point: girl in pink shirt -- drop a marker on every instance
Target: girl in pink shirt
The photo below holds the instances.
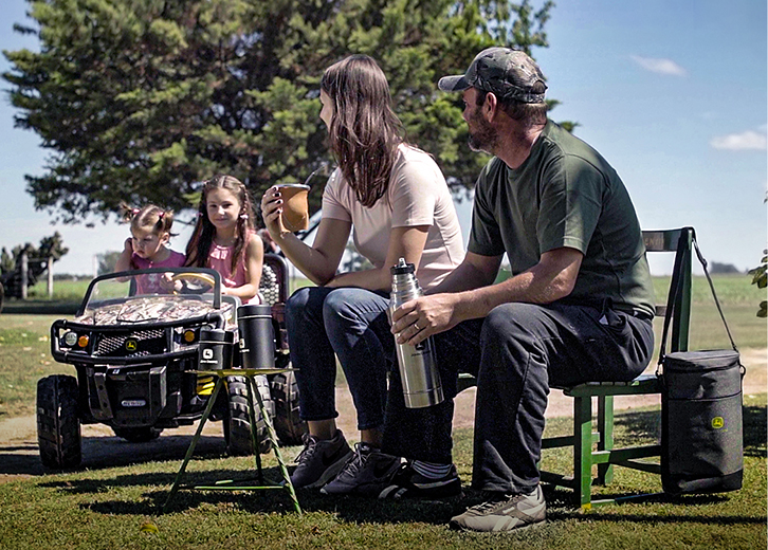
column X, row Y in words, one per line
column 225, row 239
column 150, row 233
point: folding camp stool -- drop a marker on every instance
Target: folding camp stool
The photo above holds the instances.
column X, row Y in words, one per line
column 229, row 485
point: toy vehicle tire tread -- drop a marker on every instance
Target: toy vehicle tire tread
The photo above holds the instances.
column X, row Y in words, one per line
column 237, row 424
column 58, row 426
column 289, row 426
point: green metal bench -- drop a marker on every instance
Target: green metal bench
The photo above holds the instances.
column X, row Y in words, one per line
column 593, row 442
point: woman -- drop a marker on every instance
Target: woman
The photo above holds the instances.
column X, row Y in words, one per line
column 394, row 199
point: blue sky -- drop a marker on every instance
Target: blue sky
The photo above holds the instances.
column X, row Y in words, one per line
column 672, row 93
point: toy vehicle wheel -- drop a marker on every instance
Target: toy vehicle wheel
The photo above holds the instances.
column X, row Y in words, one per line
column 285, row 393
column 58, row 427
column 237, row 425
column 138, row 435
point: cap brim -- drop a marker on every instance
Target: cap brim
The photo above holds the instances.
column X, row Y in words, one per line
column 453, row 83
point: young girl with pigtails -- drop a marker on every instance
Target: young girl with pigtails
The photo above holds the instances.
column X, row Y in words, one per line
column 225, row 238
column 147, row 247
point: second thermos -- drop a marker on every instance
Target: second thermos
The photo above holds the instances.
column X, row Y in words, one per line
column 417, row 364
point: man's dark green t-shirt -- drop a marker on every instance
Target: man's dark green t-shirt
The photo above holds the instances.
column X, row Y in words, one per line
column 565, row 194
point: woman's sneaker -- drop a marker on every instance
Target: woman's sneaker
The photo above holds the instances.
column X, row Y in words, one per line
column 320, row 461
column 504, row 513
column 408, row 483
column 364, row 474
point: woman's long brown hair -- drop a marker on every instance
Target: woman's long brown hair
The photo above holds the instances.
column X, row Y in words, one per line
column 364, row 132
column 199, row 245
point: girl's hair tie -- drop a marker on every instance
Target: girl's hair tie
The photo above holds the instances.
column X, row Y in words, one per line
column 135, row 211
column 161, row 215
column 243, row 216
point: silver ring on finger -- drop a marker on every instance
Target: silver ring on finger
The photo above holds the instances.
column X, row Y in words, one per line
column 416, row 326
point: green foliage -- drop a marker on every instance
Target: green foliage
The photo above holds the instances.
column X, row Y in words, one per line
column 107, row 261
column 760, row 278
column 140, row 100
column 50, row 247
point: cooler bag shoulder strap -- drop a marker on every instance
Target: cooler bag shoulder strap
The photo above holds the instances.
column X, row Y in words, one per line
column 703, row 263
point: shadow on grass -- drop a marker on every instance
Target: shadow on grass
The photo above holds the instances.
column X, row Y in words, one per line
column 109, row 452
column 365, row 510
column 348, row 508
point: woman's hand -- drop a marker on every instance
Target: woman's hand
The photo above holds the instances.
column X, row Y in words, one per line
column 271, row 213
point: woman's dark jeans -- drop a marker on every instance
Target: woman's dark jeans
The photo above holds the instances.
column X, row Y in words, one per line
column 348, row 322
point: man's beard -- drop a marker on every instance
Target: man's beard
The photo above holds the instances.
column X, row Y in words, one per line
column 484, row 137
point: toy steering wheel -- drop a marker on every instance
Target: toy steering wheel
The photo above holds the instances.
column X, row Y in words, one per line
column 198, row 280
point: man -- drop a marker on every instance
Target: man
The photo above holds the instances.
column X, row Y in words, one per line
column 577, row 308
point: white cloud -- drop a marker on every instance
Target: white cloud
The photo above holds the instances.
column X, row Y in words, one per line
column 749, row 140
column 660, row 66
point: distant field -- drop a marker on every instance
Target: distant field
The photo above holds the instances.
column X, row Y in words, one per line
column 25, row 346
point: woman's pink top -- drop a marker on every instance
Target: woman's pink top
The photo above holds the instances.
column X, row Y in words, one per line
column 150, row 283
column 220, row 259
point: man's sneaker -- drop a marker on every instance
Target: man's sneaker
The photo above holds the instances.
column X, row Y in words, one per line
column 364, row 474
column 408, row 483
column 512, row 512
column 320, row 461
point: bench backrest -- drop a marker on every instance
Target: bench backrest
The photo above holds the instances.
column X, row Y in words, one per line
column 679, row 241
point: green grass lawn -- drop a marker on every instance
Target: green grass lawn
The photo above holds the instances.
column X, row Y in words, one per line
column 106, row 509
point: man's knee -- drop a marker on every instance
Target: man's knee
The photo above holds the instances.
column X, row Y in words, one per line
column 507, row 321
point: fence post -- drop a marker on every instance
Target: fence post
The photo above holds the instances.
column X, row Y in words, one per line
column 24, row 275
column 50, row 277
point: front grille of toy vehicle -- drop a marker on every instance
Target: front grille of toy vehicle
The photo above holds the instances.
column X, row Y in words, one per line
column 115, row 344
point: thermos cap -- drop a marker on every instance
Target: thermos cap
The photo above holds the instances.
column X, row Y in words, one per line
column 254, row 309
column 402, row 268
column 217, row 335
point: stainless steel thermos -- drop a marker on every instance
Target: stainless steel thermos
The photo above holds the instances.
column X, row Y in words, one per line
column 418, row 366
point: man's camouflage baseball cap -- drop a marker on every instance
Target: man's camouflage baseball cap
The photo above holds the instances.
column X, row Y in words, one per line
column 510, row 74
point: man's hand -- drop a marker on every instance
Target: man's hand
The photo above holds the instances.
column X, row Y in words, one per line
column 416, row 320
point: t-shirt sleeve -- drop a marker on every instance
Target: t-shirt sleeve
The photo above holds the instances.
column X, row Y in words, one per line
column 414, row 193
column 571, row 199
column 485, row 235
column 333, row 204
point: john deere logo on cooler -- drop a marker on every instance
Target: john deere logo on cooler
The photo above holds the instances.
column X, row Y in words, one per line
column 718, row 422
column 131, row 344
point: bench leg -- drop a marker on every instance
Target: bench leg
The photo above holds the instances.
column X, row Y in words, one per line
column 582, row 451
column 605, row 428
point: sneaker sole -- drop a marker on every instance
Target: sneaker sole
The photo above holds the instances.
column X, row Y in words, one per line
column 331, row 472
column 367, row 490
column 534, row 525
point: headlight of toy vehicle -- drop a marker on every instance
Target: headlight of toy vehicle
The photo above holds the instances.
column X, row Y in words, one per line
column 70, row 339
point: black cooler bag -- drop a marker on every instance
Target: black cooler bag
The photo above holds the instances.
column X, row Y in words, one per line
column 702, row 449
column 702, row 442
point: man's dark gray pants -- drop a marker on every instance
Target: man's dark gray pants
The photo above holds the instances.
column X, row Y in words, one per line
column 517, row 353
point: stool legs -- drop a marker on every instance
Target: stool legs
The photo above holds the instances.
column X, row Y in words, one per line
column 195, row 439
column 273, row 438
column 271, row 434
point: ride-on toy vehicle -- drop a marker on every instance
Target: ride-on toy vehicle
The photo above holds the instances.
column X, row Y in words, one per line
column 136, row 354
